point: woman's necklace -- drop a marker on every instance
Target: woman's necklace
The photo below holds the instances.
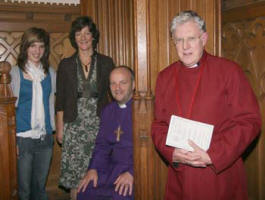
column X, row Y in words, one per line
column 86, row 66
column 86, row 62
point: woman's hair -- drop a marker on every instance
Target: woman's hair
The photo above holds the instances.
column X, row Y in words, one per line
column 78, row 24
column 30, row 36
column 184, row 17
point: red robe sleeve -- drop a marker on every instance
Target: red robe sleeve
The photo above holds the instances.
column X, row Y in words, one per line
column 160, row 124
column 242, row 126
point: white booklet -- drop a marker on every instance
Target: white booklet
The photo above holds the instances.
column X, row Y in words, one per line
column 181, row 130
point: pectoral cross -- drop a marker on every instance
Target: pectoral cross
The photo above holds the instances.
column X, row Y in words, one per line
column 118, row 133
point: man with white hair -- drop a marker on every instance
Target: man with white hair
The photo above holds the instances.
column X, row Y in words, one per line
column 212, row 90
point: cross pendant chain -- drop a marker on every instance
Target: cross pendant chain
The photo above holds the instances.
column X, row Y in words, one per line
column 118, row 133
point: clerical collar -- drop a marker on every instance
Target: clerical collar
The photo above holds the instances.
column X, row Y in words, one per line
column 195, row 65
column 122, row 105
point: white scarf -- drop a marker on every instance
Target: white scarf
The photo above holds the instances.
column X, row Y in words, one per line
column 37, row 110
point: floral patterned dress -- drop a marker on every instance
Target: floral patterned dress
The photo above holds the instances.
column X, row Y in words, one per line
column 79, row 136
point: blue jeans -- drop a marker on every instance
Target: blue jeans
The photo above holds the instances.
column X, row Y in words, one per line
column 33, row 167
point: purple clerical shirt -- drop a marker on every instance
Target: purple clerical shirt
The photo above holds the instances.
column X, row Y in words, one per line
column 112, row 156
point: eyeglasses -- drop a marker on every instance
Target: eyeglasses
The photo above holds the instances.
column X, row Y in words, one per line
column 189, row 40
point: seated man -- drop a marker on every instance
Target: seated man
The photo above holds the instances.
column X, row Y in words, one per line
column 110, row 174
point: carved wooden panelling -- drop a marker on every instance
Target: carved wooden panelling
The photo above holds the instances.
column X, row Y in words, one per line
column 244, row 42
column 9, row 46
column 228, row 4
column 60, row 47
column 20, row 16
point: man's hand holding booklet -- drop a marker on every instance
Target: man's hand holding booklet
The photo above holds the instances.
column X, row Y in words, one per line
column 181, row 130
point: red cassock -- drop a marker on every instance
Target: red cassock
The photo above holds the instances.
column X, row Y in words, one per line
column 224, row 99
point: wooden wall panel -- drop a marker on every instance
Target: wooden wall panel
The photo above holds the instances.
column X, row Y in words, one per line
column 229, row 4
column 145, row 170
column 9, row 46
column 53, row 18
column 114, row 20
column 251, row 11
column 243, row 41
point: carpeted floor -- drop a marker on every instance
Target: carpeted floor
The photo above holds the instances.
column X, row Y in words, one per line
column 58, row 194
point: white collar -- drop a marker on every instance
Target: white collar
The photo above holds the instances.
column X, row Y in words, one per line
column 122, row 105
column 193, row 66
